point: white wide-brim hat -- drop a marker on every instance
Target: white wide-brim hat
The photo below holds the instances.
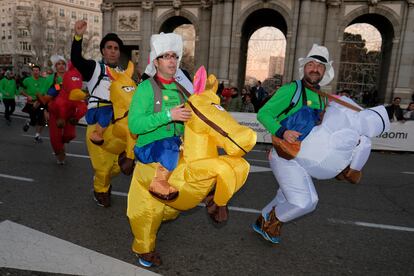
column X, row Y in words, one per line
column 54, row 59
column 161, row 44
column 319, row 54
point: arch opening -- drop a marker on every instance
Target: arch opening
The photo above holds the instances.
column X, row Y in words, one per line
column 365, row 59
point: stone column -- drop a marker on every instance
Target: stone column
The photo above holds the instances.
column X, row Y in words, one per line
column 203, row 44
column 146, row 32
column 302, row 34
column 220, row 39
column 405, row 79
column 331, row 40
column 107, row 11
column 226, row 38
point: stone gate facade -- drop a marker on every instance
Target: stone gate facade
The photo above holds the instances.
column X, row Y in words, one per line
column 223, row 29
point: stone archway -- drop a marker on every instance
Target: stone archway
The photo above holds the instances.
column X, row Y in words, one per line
column 386, row 23
column 264, row 17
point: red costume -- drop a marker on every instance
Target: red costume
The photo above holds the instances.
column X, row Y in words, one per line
column 65, row 113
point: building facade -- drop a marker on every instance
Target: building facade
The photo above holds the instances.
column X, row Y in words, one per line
column 33, row 30
column 223, row 28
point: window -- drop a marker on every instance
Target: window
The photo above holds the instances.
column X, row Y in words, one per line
column 9, row 24
column 71, row 1
column 96, row 19
column 85, row 16
column 92, row 5
column 61, row 12
column 25, row 46
column 73, row 15
column 82, row 3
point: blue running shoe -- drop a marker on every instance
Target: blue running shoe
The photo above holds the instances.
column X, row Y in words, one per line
column 258, row 227
column 144, row 263
column 149, row 259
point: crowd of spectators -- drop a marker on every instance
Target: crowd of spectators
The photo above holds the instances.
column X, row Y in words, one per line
column 249, row 100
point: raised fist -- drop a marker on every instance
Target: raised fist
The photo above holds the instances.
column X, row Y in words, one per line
column 80, row 27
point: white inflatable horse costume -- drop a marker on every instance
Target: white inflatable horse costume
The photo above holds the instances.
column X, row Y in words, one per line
column 340, row 145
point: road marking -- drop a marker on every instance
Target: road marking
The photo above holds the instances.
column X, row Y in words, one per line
column 254, row 169
column 373, row 225
column 17, row 177
column 238, row 209
column 47, row 138
column 336, row 221
column 24, row 248
column 258, row 160
column 77, row 155
column 408, row 172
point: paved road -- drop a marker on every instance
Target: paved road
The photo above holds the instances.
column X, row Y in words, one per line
column 365, row 229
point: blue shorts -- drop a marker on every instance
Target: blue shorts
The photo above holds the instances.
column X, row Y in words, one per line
column 101, row 115
column 165, row 151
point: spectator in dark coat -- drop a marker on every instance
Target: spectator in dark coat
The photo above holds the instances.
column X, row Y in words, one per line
column 395, row 113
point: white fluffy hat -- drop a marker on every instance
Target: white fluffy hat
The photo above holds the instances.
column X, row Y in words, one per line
column 55, row 58
column 162, row 43
column 319, row 54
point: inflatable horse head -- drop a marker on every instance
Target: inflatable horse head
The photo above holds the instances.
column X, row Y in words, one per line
column 331, row 146
column 215, row 123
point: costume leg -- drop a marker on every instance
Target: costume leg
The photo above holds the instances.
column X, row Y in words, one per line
column 361, row 154
column 55, row 135
column 145, row 213
column 104, row 163
column 296, row 195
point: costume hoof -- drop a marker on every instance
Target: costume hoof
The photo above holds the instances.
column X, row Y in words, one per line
column 126, row 164
column 168, row 197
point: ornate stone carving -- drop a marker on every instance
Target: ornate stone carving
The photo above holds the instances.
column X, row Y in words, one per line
column 147, row 5
column 410, row 3
column 107, row 7
column 176, row 4
column 205, row 4
column 373, row 2
column 128, row 21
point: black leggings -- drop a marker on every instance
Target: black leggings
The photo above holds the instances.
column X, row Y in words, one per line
column 9, row 106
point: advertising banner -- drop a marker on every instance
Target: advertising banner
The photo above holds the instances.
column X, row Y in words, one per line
column 400, row 137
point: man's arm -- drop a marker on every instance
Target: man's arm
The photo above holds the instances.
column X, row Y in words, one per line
column 84, row 66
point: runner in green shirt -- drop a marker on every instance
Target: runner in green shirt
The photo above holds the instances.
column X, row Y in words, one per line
column 8, row 90
column 32, row 87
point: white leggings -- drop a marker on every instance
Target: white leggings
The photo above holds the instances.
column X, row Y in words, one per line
column 296, row 195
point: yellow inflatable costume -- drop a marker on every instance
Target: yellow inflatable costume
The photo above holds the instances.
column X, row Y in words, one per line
column 118, row 140
column 201, row 172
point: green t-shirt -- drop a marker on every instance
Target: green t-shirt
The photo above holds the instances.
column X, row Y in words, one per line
column 8, row 88
column 152, row 126
column 268, row 114
column 32, row 86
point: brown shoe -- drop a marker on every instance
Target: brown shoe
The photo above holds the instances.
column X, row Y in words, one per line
column 160, row 188
column 103, row 199
column 272, row 227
